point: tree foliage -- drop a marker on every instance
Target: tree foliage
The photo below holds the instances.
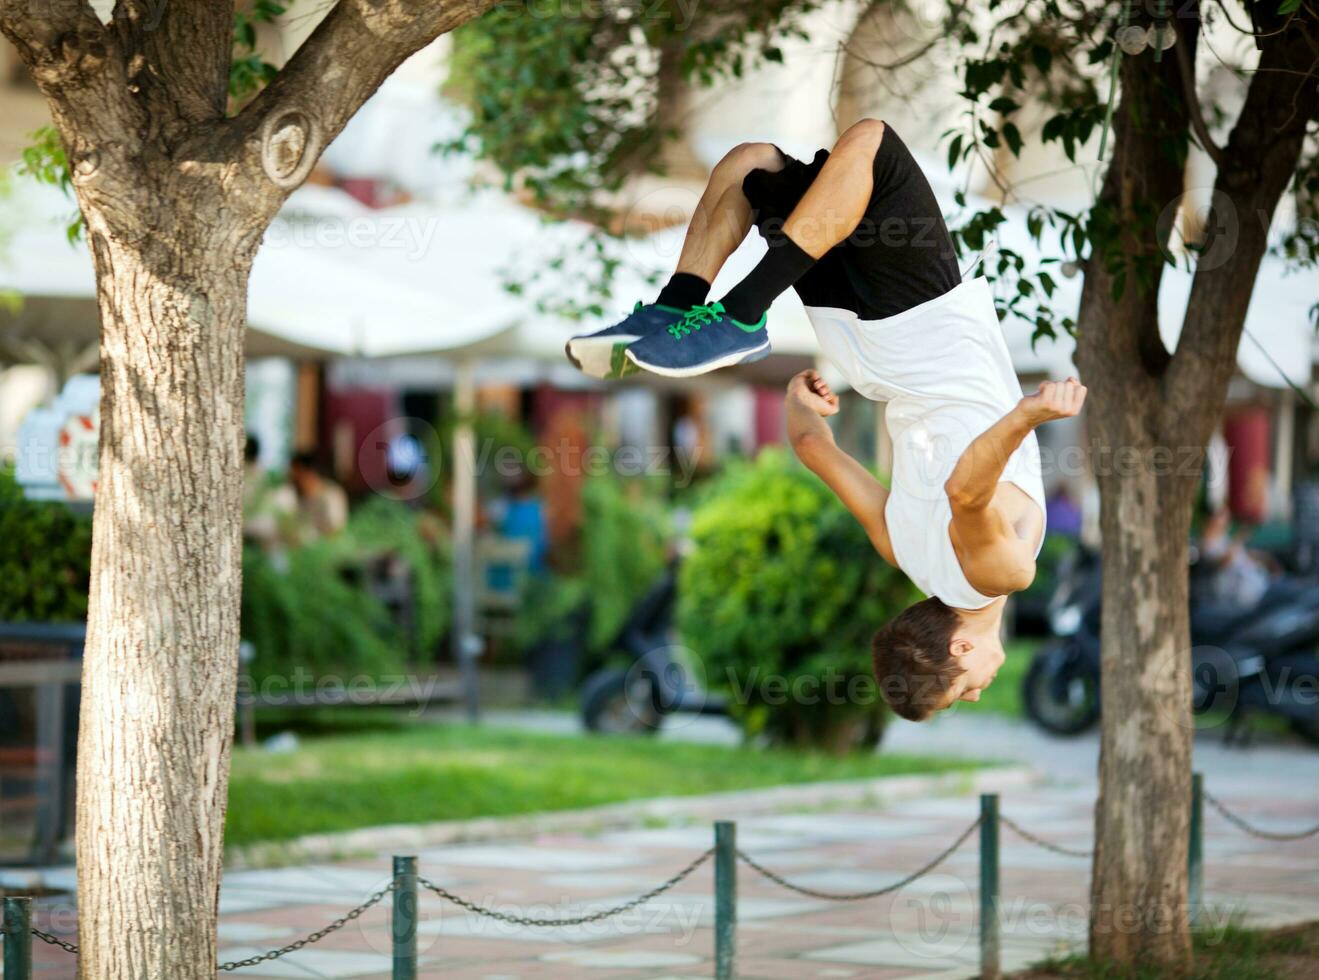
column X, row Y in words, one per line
column 568, row 107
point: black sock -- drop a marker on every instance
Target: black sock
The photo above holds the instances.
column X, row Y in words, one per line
column 783, row 264
column 683, row 291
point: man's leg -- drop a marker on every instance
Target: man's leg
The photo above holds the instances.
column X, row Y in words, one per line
column 723, row 214
column 732, row 331
column 827, row 213
column 719, row 224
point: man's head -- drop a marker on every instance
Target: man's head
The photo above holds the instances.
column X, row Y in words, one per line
column 929, row 656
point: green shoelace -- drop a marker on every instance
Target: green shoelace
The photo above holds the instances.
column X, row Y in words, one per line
column 696, row 318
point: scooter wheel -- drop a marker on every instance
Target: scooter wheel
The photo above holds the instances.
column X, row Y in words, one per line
column 620, row 702
column 1059, row 694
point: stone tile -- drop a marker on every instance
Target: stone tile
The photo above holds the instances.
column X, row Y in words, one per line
column 697, row 838
column 833, row 827
column 530, row 858
column 909, row 950
column 623, row 959
column 323, row 964
column 309, row 883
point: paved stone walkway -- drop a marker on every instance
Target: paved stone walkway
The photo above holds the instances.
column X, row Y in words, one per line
column 926, row 930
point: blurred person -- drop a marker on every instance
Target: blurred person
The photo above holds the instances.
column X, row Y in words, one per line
column 270, row 505
column 322, row 503
column 1240, row 578
column 1061, row 513
column 519, row 513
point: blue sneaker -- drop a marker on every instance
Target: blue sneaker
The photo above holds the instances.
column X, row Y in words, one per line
column 601, row 354
column 705, row 339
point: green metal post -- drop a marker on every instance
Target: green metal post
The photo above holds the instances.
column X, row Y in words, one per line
column 989, row 923
column 1195, row 850
column 405, row 918
column 18, row 938
column 725, row 898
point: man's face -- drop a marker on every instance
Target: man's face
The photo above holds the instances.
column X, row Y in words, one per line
column 980, row 660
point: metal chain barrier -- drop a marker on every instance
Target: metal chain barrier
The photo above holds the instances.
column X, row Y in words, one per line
column 316, row 936
column 577, row 920
column 858, row 896
column 1027, row 836
column 320, row 934
column 46, row 937
column 1241, row 824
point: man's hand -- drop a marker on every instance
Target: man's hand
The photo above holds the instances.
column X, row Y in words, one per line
column 1054, row 400
column 811, row 391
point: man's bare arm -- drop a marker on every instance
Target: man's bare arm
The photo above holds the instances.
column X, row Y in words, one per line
column 808, row 403
column 976, row 476
column 1004, row 562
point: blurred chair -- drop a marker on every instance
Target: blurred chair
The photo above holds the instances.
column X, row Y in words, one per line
column 501, row 573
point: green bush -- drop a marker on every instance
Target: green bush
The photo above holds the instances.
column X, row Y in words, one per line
column 313, row 615
column 45, row 558
column 625, row 534
column 783, row 583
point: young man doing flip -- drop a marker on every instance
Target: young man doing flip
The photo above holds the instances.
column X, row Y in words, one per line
column 860, row 236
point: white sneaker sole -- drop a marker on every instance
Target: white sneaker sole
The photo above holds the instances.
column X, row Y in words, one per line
column 728, row 360
column 601, row 357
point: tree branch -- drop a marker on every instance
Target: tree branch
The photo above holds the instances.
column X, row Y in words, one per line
column 1259, row 161
column 1186, row 68
column 178, row 54
column 284, row 130
column 80, row 69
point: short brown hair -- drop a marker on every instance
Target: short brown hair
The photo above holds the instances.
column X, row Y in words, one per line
column 913, row 665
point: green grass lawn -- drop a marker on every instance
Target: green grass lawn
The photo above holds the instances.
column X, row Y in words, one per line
column 419, row 773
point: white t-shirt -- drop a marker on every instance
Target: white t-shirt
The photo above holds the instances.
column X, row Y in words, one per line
column 945, row 372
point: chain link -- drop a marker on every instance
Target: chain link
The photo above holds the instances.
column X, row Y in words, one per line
column 317, row 936
column 858, row 896
column 523, row 920
column 46, row 937
column 1026, row 835
column 578, row 920
column 1255, row 831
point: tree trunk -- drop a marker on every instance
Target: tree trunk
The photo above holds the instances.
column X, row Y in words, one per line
column 1151, row 414
column 1139, row 888
column 161, row 659
column 176, row 193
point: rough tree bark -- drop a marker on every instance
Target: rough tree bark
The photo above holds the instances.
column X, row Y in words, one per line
column 1151, row 414
column 176, row 196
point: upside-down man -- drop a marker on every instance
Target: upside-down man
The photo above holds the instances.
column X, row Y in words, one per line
column 860, row 236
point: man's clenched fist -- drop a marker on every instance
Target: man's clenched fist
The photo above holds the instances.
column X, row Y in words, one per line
column 810, row 390
column 1054, row 400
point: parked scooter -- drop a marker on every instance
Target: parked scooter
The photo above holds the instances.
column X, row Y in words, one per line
column 1258, row 660
column 635, row 699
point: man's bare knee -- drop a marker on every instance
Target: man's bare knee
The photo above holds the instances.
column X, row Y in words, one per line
column 746, row 157
column 862, row 136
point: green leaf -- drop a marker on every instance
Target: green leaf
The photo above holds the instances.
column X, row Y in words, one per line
column 1013, row 137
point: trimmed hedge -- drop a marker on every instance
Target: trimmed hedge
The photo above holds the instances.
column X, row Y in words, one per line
column 778, row 601
column 45, row 558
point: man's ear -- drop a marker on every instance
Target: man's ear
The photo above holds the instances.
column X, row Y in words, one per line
column 960, row 647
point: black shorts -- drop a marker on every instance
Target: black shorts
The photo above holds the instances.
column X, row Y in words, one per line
column 899, row 256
